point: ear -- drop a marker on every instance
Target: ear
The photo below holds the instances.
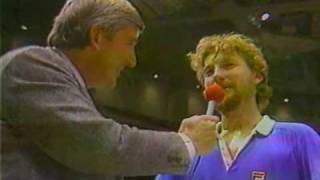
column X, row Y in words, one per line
column 96, row 35
column 258, row 77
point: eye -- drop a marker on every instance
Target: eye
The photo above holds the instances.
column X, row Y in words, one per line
column 208, row 72
column 131, row 44
column 228, row 65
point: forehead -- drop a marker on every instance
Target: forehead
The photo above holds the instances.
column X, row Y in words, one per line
column 222, row 57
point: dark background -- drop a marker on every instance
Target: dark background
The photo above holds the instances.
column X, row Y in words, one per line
column 162, row 89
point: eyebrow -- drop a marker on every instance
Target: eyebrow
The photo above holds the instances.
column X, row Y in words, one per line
column 209, row 66
column 227, row 60
column 214, row 62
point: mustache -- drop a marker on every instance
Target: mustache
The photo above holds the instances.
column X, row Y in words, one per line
column 225, row 84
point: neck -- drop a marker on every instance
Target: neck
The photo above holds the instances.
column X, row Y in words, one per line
column 243, row 118
column 81, row 60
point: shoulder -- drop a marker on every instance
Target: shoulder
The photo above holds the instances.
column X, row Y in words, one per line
column 298, row 130
column 35, row 63
column 28, row 51
column 32, row 54
column 293, row 127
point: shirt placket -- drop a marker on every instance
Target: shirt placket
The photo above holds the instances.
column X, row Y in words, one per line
column 226, row 154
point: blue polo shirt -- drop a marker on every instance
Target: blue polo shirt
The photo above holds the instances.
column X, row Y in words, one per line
column 286, row 151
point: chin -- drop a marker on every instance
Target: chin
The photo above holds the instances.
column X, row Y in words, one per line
column 229, row 104
column 112, row 83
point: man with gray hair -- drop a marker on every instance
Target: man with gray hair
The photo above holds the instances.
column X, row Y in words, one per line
column 51, row 128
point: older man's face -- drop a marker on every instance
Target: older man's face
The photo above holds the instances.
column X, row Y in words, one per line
column 114, row 54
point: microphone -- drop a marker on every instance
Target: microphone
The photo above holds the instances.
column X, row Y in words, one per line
column 214, row 94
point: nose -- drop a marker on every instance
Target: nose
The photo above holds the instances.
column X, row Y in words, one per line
column 218, row 76
column 132, row 60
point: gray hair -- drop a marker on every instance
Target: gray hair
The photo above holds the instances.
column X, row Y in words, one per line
column 72, row 25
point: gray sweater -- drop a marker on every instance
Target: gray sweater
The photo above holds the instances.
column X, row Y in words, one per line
column 51, row 129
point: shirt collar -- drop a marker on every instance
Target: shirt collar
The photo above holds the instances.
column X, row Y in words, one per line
column 264, row 127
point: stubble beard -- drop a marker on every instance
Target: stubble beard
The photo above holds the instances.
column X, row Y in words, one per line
column 230, row 103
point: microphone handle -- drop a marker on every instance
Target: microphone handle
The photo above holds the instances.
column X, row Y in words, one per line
column 210, row 108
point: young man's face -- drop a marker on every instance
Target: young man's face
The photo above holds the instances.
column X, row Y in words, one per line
column 113, row 55
column 231, row 71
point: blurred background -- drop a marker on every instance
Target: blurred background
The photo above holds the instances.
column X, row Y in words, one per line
column 162, row 89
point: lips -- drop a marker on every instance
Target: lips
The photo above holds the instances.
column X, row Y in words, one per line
column 225, row 84
column 226, row 88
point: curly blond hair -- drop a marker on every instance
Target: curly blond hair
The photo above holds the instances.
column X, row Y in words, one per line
column 238, row 43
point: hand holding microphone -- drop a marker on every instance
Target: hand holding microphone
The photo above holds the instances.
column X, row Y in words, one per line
column 201, row 129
